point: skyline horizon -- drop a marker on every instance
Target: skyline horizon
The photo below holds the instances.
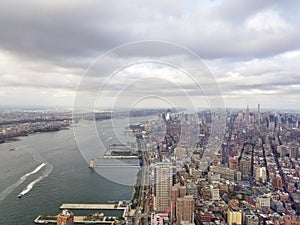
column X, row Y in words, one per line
column 247, row 51
column 120, row 109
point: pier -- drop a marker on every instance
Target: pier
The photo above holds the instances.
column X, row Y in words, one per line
column 83, row 219
column 116, row 166
column 92, row 206
column 121, row 157
column 93, row 164
column 77, row 219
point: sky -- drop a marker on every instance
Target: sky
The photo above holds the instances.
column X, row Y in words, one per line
column 96, row 53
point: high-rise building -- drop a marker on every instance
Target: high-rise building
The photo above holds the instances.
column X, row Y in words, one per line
column 66, row 217
column 294, row 152
column 163, row 186
column 233, row 163
column 261, row 174
column 185, row 209
column 258, row 113
column 234, row 216
column 247, row 115
column 238, row 176
column 174, row 196
column 214, row 193
column 225, row 153
column 244, row 168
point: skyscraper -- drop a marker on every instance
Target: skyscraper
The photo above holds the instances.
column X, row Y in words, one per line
column 247, row 115
column 225, row 154
column 294, row 152
column 258, row 113
column 244, row 168
column 233, row 163
column 163, row 186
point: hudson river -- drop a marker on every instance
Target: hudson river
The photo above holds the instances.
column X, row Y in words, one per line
column 49, row 170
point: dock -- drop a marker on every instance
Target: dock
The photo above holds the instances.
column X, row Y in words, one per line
column 121, row 157
column 92, row 206
column 77, row 219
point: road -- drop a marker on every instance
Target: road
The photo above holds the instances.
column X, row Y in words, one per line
column 143, row 210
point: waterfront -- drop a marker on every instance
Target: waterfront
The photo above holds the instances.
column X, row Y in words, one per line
column 69, row 181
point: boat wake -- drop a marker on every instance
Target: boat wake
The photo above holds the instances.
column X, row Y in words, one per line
column 29, row 187
column 33, row 171
column 9, row 189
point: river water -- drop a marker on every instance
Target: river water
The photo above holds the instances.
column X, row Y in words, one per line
column 48, row 169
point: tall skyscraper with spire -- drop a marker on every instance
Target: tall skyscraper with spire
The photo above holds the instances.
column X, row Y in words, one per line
column 247, row 116
column 258, row 113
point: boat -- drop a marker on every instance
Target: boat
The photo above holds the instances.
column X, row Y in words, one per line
column 11, row 149
column 20, row 196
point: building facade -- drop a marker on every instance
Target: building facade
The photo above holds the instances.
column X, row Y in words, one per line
column 66, row 217
column 163, row 186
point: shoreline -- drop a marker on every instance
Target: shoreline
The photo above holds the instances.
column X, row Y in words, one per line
column 18, row 137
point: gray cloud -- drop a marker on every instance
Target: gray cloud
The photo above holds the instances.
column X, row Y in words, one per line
column 58, row 30
column 248, row 45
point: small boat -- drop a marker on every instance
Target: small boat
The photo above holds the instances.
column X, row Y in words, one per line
column 12, row 149
column 20, row 196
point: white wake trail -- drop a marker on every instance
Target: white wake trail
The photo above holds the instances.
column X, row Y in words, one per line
column 33, row 172
column 29, row 187
column 9, row 189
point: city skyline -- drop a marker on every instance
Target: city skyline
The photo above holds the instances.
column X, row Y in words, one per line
column 251, row 49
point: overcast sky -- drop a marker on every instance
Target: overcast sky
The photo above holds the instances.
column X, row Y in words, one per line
column 252, row 49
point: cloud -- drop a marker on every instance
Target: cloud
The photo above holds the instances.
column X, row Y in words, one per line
column 57, row 30
column 252, row 47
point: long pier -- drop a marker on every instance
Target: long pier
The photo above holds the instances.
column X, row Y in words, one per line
column 93, row 164
column 116, row 165
column 81, row 219
column 77, row 219
column 92, row 206
column 120, row 157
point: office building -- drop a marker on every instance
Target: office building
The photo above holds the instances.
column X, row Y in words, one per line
column 163, row 186
column 244, row 168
